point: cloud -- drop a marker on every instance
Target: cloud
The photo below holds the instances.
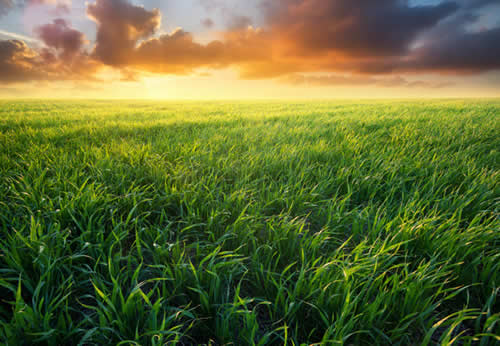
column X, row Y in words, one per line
column 475, row 4
column 358, row 42
column 208, row 23
column 126, row 37
column 236, row 22
column 62, row 58
column 64, row 53
column 120, row 25
column 178, row 52
column 356, row 28
column 459, row 52
column 229, row 11
column 18, row 36
column 61, row 6
column 18, row 62
column 375, row 37
column 60, row 36
column 210, row 5
column 6, row 6
column 356, row 80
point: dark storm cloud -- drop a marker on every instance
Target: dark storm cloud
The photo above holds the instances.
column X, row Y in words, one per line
column 356, row 27
column 378, row 37
column 475, row 4
column 459, row 51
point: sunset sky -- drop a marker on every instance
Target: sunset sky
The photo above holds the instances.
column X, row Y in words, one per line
column 224, row 49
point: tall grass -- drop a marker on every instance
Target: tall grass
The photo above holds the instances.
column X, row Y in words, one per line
column 141, row 223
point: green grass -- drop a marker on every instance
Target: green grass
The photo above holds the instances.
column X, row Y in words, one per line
column 146, row 223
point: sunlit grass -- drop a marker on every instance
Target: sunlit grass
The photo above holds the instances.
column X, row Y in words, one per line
column 249, row 223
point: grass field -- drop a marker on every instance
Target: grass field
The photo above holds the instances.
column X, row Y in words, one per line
column 153, row 223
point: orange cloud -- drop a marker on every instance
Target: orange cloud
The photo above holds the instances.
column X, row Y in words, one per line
column 18, row 62
column 62, row 58
column 126, row 38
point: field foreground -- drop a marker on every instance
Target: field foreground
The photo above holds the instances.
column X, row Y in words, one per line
column 273, row 223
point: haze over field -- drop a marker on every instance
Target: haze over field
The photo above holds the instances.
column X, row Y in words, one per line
column 249, row 49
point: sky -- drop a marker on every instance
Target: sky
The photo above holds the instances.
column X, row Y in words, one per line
column 252, row 49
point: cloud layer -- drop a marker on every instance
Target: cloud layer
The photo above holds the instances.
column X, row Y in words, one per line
column 62, row 6
column 372, row 42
